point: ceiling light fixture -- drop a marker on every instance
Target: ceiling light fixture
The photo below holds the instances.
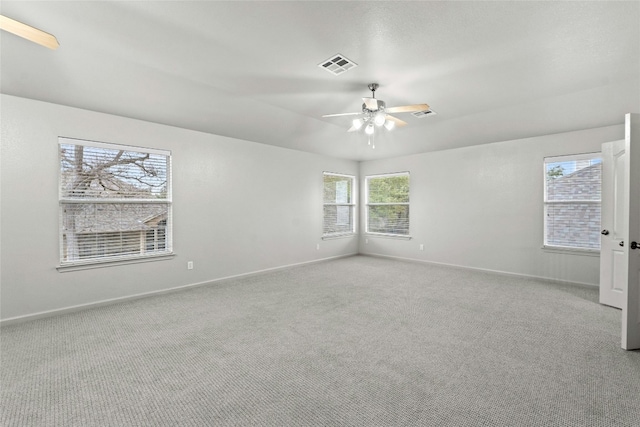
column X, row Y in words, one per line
column 375, row 113
column 369, row 129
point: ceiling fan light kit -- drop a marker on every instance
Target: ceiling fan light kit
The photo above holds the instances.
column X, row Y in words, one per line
column 376, row 114
column 380, row 118
column 369, row 129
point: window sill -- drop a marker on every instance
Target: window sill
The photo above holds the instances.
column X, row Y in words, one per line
column 571, row 251
column 338, row 236
column 110, row 263
column 389, row 236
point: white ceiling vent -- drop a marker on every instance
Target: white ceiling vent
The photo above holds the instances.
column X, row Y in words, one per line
column 337, row 64
column 423, row 113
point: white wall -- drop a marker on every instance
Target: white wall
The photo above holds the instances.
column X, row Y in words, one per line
column 239, row 207
column 481, row 206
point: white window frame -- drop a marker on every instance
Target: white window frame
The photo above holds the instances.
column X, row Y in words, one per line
column 352, row 206
column 368, row 204
column 143, row 256
column 546, row 202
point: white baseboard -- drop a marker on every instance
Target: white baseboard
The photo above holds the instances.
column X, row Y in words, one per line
column 486, row 270
column 81, row 307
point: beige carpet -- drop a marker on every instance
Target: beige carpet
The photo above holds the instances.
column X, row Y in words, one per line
column 359, row 341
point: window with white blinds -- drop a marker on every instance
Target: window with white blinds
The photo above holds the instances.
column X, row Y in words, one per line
column 572, row 200
column 339, row 204
column 388, row 204
column 115, row 202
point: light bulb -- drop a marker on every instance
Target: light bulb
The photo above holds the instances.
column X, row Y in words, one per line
column 357, row 123
column 369, row 129
column 379, row 119
column 389, row 124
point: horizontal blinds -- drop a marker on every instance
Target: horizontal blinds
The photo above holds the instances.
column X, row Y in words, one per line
column 389, row 219
column 338, row 219
column 572, row 201
column 114, row 202
column 388, row 204
column 573, row 225
column 100, row 218
column 88, row 172
column 338, row 204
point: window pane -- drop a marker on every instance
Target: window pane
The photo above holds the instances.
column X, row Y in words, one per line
column 574, row 180
column 337, row 189
column 93, row 172
column 338, row 197
column 92, row 231
column 388, row 189
column 574, row 225
column 392, row 193
column 338, row 219
column 388, row 219
column 569, row 180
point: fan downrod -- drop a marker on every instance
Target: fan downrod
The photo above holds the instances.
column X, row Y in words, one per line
column 373, row 87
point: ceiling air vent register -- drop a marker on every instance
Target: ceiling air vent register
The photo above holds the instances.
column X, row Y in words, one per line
column 337, row 64
column 423, row 114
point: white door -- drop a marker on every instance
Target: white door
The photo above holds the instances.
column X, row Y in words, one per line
column 612, row 280
column 631, row 261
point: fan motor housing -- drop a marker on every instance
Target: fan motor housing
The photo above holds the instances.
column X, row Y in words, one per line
column 381, row 107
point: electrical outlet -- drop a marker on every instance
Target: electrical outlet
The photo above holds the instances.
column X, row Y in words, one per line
column 422, row 246
column 190, row 265
column 318, row 247
column 366, row 241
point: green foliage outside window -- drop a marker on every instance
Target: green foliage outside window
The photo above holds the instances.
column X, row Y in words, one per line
column 388, row 204
column 392, row 189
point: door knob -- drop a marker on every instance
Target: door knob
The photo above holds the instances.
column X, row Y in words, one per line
column 634, row 245
column 605, row 232
column 621, row 243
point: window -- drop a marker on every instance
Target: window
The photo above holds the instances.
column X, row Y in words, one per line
column 572, row 201
column 115, row 202
column 388, row 204
column 339, row 206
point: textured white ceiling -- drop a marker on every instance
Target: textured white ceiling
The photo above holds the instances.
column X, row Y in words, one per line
column 493, row 71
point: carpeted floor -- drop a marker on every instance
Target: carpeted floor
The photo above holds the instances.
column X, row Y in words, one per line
column 359, row 341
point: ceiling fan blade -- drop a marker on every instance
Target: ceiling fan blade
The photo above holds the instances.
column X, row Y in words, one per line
column 407, row 108
column 28, row 32
column 353, row 129
column 340, row 114
column 396, row 120
column 370, row 103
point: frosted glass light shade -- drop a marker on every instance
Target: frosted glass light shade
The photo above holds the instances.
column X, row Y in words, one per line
column 369, row 129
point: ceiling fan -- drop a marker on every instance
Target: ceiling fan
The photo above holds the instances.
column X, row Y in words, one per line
column 28, row 32
column 375, row 113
